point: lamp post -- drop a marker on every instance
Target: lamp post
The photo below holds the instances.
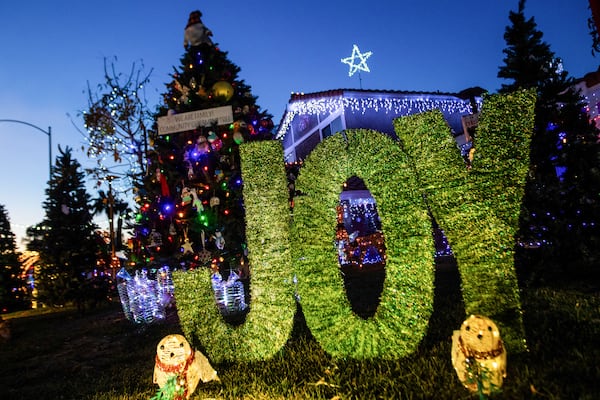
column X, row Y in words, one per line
column 48, row 133
column 111, row 227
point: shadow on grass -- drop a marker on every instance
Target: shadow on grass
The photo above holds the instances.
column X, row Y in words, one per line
column 448, row 307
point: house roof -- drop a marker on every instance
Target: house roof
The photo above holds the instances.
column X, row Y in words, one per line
column 591, row 78
column 465, row 94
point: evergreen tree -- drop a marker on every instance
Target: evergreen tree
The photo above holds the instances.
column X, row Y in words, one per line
column 191, row 207
column 561, row 205
column 594, row 25
column 12, row 292
column 65, row 239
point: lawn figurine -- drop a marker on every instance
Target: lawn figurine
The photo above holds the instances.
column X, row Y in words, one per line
column 478, row 355
column 178, row 368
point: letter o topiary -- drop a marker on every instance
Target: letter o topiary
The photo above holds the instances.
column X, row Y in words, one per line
column 406, row 303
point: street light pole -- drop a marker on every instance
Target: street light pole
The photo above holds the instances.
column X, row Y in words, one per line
column 111, row 227
column 48, row 133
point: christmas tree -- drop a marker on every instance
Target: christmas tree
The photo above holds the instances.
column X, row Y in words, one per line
column 65, row 239
column 559, row 229
column 12, row 291
column 191, row 206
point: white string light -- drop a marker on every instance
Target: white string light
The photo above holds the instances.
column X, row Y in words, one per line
column 397, row 104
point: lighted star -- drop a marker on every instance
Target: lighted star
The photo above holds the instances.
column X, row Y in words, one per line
column 356, row 56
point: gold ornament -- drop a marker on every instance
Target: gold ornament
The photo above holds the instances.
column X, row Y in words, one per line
column 478, row 355
column 223, row 89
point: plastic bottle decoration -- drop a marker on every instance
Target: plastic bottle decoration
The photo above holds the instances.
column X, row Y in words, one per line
column 124, row 279
column 143, row 299
column 165, row 287
column 478, row 355
column 229, row 294
column 178, row 368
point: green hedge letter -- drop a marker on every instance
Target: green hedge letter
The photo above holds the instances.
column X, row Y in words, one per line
column 479, row 209
column 407, row 299
column 272, row 306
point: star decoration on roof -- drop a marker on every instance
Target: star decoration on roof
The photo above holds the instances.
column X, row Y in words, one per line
column 357, row 61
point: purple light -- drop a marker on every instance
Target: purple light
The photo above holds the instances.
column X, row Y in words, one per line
column 167, row 208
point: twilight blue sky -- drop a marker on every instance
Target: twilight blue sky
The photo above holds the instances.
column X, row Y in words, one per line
column 49, row 50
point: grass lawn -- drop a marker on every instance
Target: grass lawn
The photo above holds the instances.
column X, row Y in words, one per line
column 102, row 356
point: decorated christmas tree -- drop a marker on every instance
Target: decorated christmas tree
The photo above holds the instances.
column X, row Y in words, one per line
column 65, row 239
column 191, row 205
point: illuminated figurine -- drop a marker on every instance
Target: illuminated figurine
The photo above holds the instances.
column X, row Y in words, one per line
column 178, row 364
column 478, row 355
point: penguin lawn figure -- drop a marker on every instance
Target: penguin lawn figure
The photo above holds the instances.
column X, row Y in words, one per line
column 478, row 355
column 178, row 368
